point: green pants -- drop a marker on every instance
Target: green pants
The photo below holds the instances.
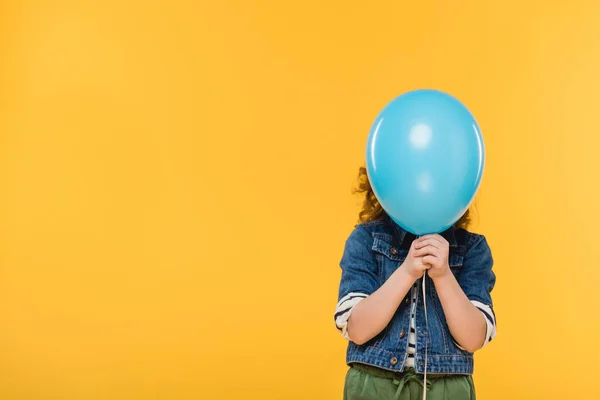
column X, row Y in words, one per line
column 369, row 383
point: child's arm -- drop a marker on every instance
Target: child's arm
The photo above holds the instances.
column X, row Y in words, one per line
column 466, row 322
column 467, row 304
column 371, row 315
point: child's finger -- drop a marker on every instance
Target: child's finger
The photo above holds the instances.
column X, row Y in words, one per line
column 422, row 266
column 435, row 237
column 427, row 250
column 430, row 261
column 428, row 242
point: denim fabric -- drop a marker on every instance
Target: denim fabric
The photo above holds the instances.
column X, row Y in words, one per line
column 373, row 251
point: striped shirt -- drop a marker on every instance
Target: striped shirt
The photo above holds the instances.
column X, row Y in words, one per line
column 412, row 333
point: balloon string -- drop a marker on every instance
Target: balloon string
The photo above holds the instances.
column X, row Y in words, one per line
column 427, row 326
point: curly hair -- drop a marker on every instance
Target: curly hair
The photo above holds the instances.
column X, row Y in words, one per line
column 372, row 210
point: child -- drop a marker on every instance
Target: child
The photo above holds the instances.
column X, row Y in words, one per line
column 381, row 309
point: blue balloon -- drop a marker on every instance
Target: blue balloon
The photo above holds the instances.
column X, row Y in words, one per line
column 425, row 159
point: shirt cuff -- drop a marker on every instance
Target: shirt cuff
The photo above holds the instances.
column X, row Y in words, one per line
column 344, row 309
column 490, row 321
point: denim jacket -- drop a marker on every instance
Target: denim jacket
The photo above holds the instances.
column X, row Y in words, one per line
column 373, row 251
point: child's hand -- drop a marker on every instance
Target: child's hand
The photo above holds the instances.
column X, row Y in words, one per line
column 413, row 265
column 434, row 250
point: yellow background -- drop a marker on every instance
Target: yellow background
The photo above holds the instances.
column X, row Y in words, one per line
column 175, row 188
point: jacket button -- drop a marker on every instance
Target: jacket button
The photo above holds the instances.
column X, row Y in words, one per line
column 402, row 334
column 393, row 251
column 393, row 361
column 407, row 300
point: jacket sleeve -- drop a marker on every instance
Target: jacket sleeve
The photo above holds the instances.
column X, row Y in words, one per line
column 477, row 280
column 359, row 276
